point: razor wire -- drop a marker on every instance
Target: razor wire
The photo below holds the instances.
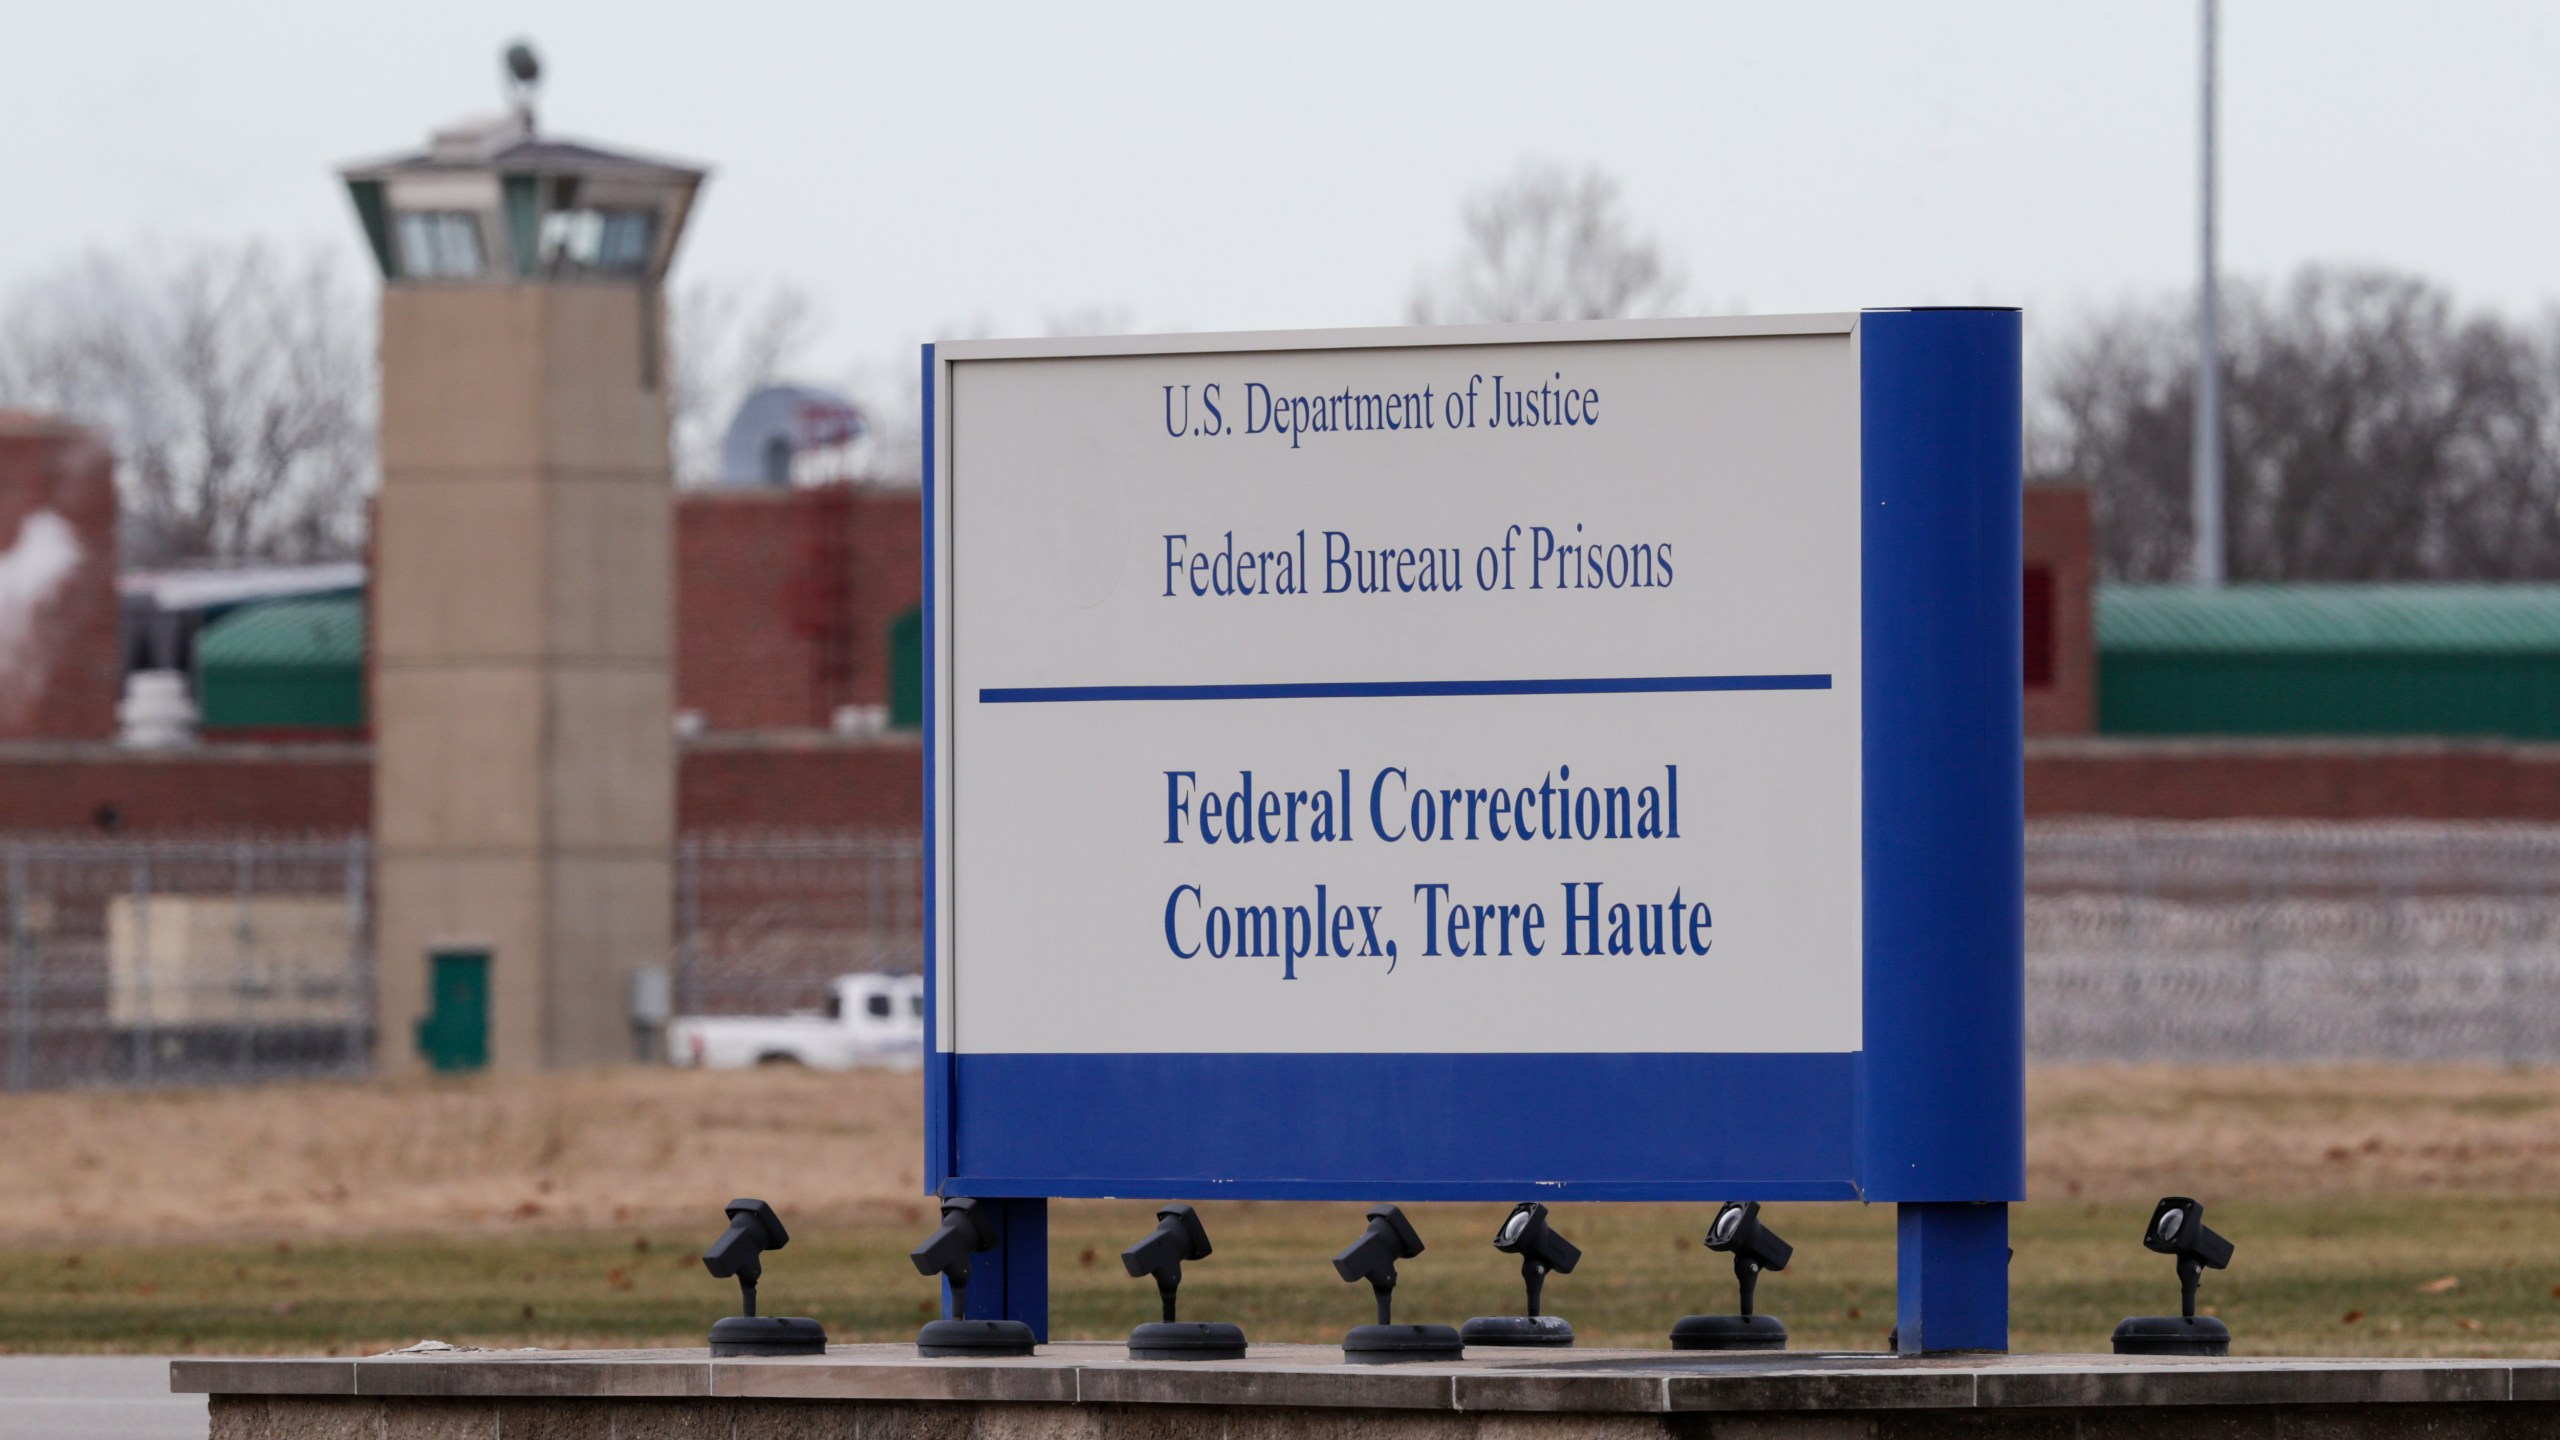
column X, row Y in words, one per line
column 2271, row 941
column 136, row 961
column 765, row 919
column 184, row 962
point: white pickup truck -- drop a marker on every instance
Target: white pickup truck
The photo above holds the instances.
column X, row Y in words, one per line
column 869, row 1020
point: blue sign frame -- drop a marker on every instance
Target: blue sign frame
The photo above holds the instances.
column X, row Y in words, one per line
column 1930, row 1115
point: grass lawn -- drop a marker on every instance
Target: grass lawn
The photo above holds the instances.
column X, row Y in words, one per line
column 2388, row 1275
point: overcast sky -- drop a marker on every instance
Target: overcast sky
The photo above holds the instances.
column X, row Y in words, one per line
column 922, row 167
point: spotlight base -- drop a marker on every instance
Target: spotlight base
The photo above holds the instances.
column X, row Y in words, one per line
column 1187, row 1340
column 973, row 1339
column 1397, row 1344
column 768, row 1335
column 1544, row 1331
column 2173, row 1335
column 1729, row 1332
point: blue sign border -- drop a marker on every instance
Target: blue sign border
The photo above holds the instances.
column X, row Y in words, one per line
column 1930, row 1114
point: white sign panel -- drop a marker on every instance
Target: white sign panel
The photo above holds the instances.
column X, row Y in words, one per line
column 1340, row 693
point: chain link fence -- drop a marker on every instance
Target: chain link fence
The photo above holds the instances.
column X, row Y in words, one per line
column 180, row 962
column 205, row 961
column 2293, row 941
column 765, row 919
column 160, row 962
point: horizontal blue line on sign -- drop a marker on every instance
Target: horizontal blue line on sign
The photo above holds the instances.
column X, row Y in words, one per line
column 1399, row 689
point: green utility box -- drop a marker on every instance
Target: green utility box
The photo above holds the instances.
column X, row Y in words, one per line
column 454, row 1034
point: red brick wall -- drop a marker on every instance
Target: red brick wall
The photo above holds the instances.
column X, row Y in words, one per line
column 62, row 666
column 739, row 659
column 800, row 782
column 2346, row 780
column 804, row 781
column 784, row 598
column 2061, row 560
column 277, row 788
column 888, row 581
column 813, row 781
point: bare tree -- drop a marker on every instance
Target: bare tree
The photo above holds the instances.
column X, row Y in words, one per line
column 890, row 393
column 2374, row 433
column 724, row 339
column 237, row 382
column 1548, row 243
column 2113, row 412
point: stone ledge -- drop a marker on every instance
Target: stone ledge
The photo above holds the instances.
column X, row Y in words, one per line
column 1297, row 1377
column 314, row 1417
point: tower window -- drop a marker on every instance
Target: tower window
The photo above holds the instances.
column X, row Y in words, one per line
column 439, row 244
column 611, row 241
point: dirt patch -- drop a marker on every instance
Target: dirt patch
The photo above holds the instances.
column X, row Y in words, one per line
column 2292, row 1132
column 575, row 1150
column 644, row 1147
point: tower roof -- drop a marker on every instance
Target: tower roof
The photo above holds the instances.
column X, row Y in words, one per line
column 509, row 143
column 493, row 198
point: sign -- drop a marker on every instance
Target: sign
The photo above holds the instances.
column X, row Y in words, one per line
column 1568, row 761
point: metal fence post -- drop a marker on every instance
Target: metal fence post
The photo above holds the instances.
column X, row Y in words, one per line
column 145, row 1043
column 244, row 1016
column 875, row 901
column 2137, row 1018
column 2393, row 966
column 688, row 925
column 22, row 979
column 2261, row 904
column 357, row 1058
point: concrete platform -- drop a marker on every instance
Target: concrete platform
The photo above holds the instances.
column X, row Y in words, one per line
column 1092, row 1391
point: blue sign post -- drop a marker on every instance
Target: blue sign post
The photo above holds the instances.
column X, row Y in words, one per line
column 1250, row 878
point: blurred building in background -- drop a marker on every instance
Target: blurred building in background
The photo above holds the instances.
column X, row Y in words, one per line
column 2055, row 595
column 425, row 811
column 572, row 748
column 799, row 609
column 61, row 669
column 2328, row 808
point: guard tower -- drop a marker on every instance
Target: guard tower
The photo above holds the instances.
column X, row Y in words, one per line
column 524, row 781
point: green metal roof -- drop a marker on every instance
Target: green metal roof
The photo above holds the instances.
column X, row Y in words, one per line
column 2329, row 619
column 325, row 632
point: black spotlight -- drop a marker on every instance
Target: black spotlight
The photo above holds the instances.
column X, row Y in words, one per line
column 1525, row 1233
column 965, row 1231
column 1178, row 1236
column 754, row 1229
column 1755, row 1247
column 1372, row 1257
column 2177, row 1228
